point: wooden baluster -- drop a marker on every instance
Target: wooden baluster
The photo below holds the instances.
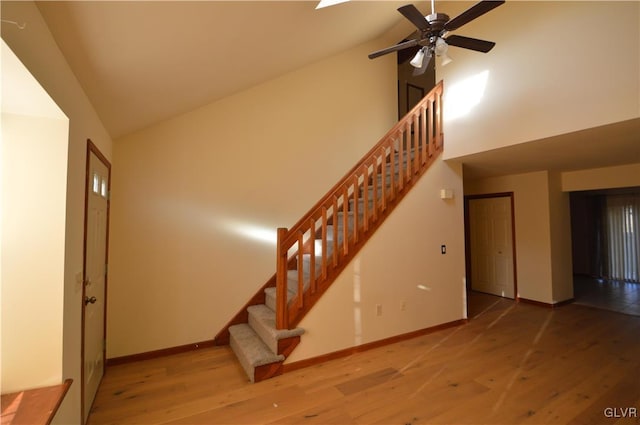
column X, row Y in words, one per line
column 439, row 118
column 365, row 188
column 383, row 179
column 400, row 162
column 345, row 221
column 389, row 189
column 423, row 134
column 300, row 298
column 356, row 208
column 312, row 258
column 374, row 181
column 416, row 142
column 282, row 316
column 431, row 128
column 324, row 242
column 335, row 231
column 408, row 166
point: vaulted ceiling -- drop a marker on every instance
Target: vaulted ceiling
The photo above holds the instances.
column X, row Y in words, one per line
column 141, row 62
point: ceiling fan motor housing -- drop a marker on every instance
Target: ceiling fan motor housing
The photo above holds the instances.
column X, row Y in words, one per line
column 437, row 21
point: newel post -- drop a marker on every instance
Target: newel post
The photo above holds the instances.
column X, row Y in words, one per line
column 282, row 317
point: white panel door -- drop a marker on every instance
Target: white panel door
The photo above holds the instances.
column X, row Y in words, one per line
column 491, row 246
column 94, row 279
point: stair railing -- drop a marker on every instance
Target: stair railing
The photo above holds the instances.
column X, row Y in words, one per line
column 320, row 244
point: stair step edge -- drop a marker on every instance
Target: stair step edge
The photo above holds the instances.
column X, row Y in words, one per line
column 267, row 318
column 253, row 349
column 272, row 292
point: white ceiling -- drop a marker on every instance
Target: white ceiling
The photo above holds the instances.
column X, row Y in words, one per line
column 142, row 62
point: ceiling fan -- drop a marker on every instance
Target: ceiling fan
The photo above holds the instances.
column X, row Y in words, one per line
column 432, row 36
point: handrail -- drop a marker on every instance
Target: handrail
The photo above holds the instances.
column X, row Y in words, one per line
column 325, row 238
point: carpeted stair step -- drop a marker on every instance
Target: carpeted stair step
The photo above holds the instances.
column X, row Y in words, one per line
column 292, row 281
column 263, row 322
column 292, row 288
column 250, row 349
column 270, row 296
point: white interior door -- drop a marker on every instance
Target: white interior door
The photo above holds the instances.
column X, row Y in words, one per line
column 491, row 241
column 95, row 270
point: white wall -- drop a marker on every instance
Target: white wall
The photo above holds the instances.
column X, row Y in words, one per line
column 555, row 69
column 601, row 178
column 560, row 231
column 197, row 199
column 402, row 254
column 37, row 49
column 34, row 173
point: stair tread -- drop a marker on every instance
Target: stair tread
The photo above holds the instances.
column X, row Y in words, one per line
column 272, row 291
column 270, row 297
column 253, row 349
column 267, row 318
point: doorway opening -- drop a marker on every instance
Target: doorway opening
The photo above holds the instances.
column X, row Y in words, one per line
column 605, row 233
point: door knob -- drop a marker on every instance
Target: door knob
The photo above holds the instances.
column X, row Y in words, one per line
column 91, row 300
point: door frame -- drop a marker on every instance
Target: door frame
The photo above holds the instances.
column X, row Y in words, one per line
column 92, row 149
column 467, row 237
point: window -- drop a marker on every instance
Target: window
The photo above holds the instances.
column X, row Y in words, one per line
column 622, row 238
column 96, row 183
column 104, row 191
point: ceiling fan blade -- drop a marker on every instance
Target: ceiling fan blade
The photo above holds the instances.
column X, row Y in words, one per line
column 425, row 64
column 395, row 48
column 470, row 43
column 472, row 13
column 415, row 16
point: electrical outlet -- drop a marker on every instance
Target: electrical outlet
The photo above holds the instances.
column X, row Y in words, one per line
column 378, row 309
column 443, row 249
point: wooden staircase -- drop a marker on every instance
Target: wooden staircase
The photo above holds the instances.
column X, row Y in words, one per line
column 312, row 253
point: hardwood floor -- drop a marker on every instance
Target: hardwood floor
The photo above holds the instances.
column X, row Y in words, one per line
column 511, row 364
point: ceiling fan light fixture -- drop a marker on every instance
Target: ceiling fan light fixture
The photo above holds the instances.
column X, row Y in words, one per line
column 441, row 47
column 441, row 51
column 416, row 62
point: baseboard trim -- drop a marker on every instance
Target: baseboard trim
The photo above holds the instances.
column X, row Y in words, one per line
column 545, row 305
column 159, row 353
column 300, row 364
